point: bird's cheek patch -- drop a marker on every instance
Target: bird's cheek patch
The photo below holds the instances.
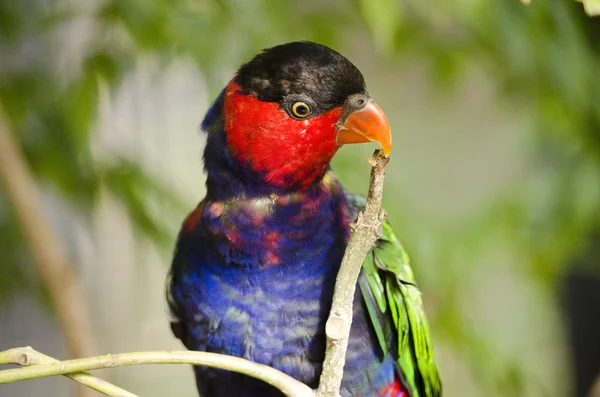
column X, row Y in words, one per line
column 251, row 125
column 288, row 151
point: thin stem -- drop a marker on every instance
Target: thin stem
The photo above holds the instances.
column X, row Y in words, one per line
column 365, row 233
column 28, row 356
column 52, row 263
column 288, row 385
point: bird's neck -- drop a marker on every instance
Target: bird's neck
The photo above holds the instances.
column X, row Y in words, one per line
column 257, row 224
column 292, row 229
column 227, row 177
column 241, row 162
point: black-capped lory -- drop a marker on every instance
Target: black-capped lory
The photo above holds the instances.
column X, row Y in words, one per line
column 256, row 261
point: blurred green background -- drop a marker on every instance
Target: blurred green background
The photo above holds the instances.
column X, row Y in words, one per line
column 494, row 183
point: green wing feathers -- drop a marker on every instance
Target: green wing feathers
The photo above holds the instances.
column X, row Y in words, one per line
column 389, row 290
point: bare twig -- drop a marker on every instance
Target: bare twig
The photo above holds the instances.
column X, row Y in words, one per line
column 288, row 385
column 365, row 233
column 52, row 264
column 28, row 356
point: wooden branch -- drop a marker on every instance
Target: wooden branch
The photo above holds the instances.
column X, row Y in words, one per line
column 52, row 264
column 288, row 385
column 365, row 232
column 27, row 356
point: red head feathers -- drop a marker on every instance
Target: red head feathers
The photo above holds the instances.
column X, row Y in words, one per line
column 288, row 110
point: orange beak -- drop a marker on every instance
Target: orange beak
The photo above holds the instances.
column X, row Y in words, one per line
column 368, row 124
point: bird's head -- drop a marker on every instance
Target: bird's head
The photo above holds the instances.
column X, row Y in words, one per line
column 287, row 111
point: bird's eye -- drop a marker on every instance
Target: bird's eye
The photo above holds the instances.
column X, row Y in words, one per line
column 300, row 109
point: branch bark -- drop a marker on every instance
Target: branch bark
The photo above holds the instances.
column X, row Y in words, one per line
column 52, row 263
column 288, row 385
column 28, row 356
column 365, row 232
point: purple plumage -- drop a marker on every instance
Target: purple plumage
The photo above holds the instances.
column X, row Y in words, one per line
column 254, row 278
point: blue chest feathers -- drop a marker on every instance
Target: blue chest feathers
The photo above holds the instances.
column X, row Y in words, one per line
column 254, row 278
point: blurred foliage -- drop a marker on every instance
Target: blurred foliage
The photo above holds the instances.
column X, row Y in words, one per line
column 544, row 56
column 592, row 7
column 52, row 107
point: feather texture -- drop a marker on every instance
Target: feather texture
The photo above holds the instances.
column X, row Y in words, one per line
column 255, row 263
column 388, row 283
column 273, row 312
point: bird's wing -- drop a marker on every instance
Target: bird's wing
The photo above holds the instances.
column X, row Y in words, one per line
column 394, row 304
column 172, row 307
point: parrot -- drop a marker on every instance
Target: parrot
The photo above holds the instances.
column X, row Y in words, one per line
column 255, row 263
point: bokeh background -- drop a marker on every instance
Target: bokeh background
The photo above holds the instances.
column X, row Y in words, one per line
column 494, row 183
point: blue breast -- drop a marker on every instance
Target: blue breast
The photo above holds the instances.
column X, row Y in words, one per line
column 254, row 278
